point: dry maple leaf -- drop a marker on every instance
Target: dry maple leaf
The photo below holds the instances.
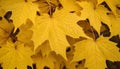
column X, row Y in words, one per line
column 15, row 55
column 22, row 10
column 95, row 14
column 55, row 28
column 96, row 52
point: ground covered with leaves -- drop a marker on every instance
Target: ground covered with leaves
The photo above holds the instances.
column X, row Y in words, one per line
column 59, row 34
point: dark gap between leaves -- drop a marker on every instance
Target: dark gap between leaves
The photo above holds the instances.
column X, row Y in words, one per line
column 46, row 67
column 118, row 7
column 0, row 18
column 52, row 9
column 13, row 35
column 29, row 67
column 112, row 65
column 68, row 49
column 105, row 30
column 105, row 4
column 64, row 67
column 1, row 67
column 8, row 15
column 38, row 13
column 34, row 66
column 60, row 6
column 115, row 39
column 88, row 29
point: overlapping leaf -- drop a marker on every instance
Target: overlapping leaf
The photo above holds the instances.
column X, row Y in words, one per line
column 55, row 29
column 114, row 6
column 96, row 15
column 22, row 10
column 96, row 52
column 15, row 55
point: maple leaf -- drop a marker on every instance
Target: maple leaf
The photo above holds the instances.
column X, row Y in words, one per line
column 48, row 6
column 95, row 14
column 71, row 6
column 113, row 4
column 44, row 62
column 6, row 28
column 25, row 32
column 115, row 23
column 15, row 55
column 44, row 48
column 22, row 10
column 96, row 52
column 55, row 28
column 16, row 45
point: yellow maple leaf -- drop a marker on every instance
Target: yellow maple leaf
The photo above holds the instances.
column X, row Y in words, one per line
column 55, row 28
column 71, row 6
column 5, row 28
column 48, row 6
column 113, row 4
column 22, row 34
column 95, row 14
column 44, row 62
column 96, row 52
column 25, row 34
column 15, row 55
column 115, row 23
column 22, row 10
column 44, row 48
